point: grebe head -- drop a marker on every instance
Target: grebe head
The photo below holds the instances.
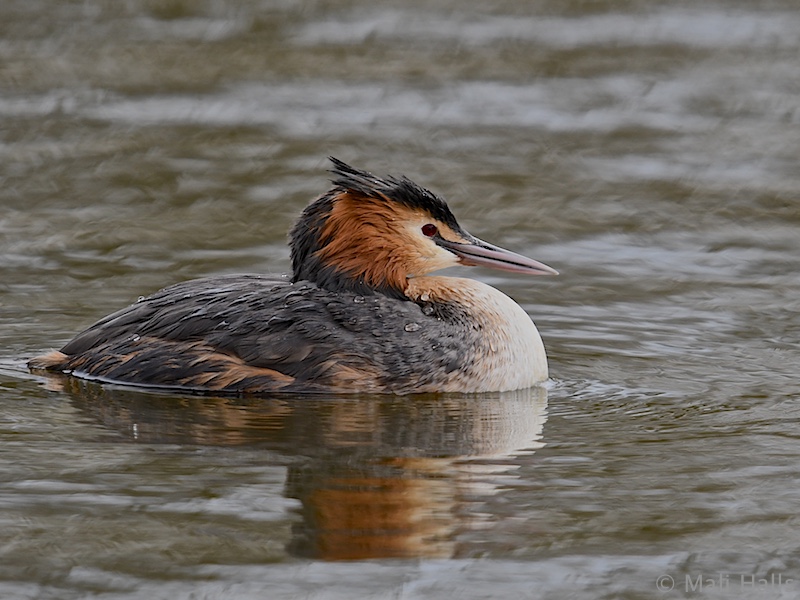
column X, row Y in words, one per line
column 369, row 234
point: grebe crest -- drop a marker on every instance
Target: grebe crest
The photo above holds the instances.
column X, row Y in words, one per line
column 360, row 313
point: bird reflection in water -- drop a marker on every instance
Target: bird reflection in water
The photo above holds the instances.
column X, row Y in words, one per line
column 375, row 476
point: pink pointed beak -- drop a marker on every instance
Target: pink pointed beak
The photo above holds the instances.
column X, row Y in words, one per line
column 479, row 253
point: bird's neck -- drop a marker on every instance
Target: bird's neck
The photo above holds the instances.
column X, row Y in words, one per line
column 474, row 296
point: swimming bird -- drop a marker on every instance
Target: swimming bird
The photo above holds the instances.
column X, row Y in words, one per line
column 359, row 313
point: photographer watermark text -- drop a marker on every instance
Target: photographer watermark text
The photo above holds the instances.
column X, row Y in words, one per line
column 721, row 581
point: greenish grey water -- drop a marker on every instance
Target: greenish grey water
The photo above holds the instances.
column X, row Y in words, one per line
column 648, row 152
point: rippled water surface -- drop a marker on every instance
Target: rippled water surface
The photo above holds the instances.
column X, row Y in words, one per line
column 648, row 151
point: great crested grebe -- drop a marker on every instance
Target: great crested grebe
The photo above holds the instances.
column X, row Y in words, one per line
column 359, row 314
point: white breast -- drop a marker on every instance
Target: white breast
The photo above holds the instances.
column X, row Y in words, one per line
column 514, row 355
column 510, row 355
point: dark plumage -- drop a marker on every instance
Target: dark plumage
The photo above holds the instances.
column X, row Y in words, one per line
column 315, row 338
column 391, row 189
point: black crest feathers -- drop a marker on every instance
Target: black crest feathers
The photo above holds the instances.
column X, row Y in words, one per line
column 393, row 189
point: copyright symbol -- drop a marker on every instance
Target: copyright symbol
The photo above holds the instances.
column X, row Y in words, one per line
column 665, row 583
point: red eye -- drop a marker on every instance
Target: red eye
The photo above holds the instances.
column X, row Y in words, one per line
column 429, row 230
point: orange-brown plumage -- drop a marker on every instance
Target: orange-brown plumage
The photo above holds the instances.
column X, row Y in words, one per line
column 360, row 239
column 370, row 240
column 360, row 312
